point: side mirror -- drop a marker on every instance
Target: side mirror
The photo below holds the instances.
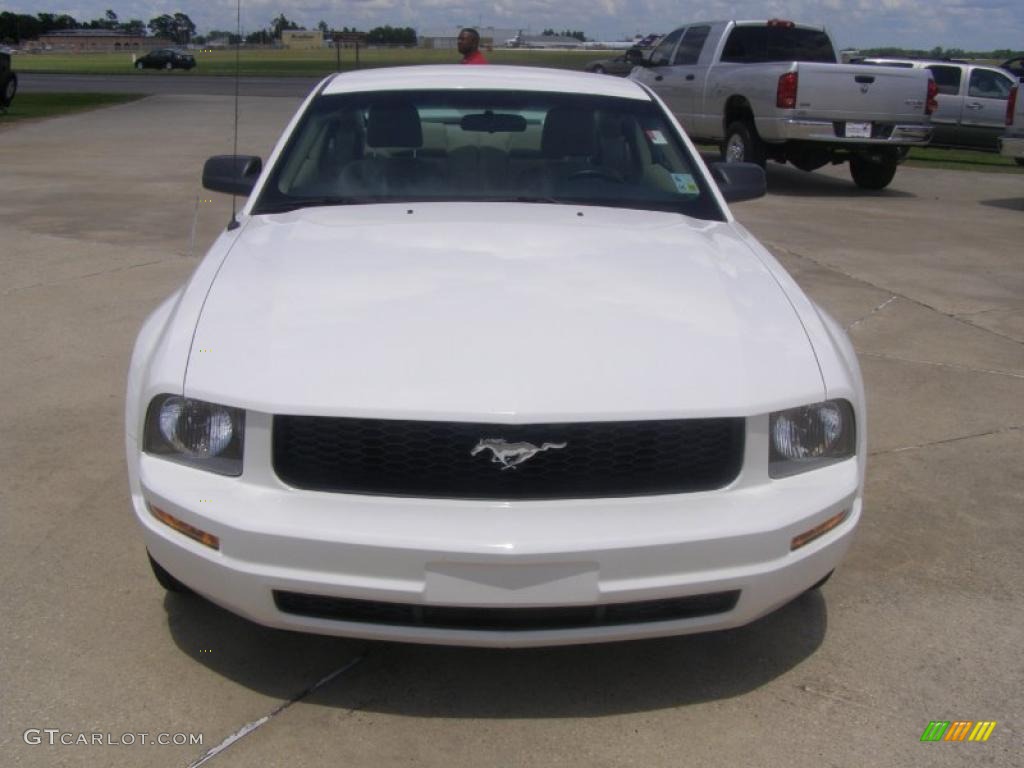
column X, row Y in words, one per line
column 635, row 57
column 233, row 174
column 740, row 181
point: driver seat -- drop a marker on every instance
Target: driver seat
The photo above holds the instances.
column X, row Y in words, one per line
column 568, row 144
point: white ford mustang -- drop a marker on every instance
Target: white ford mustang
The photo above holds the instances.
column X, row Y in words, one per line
column 486, row 360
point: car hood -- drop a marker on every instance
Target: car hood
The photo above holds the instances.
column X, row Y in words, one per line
column 498, row 312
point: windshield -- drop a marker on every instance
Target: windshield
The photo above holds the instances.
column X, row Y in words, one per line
column 486, row 146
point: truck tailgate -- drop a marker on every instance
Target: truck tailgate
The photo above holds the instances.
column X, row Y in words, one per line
column 858, row 92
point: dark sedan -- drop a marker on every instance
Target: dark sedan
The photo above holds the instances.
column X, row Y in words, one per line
column 165, row 58
column 1016, row 66
column 620, row 65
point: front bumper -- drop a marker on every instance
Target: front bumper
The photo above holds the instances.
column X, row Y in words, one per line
column 1012, row 146
column 795, row 129
column 466, row 554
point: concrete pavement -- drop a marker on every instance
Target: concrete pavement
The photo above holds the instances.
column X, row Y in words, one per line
column 922, row 622
column 165, row 83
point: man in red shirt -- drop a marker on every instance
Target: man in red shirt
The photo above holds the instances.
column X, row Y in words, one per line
column 469, row 47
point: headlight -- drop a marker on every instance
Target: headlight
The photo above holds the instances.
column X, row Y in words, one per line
column 810, row 437
column 197, row 433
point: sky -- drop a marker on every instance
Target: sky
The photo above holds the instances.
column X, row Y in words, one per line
column 968, row 24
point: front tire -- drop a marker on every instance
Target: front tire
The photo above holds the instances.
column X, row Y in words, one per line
column 168, row 66
column 743, row 145
column 8, row 88
column 872, row 174
column 821, row 582
column 165, row 579
column 139, row 66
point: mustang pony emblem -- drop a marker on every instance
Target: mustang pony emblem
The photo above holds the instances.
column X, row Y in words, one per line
column 511, row 454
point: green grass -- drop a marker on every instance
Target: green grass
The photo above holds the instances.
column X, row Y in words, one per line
column 38, row 105
column 961, row 160
column 295, row 63
column 936, row 157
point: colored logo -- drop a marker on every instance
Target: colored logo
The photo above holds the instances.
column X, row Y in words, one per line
column 958, row 730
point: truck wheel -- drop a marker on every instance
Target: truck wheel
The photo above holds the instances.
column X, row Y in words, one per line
column 871, row 174
column 743, row 145
column 167, row 581
column 8, row 87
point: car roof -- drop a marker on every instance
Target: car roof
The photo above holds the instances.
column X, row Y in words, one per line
column 920, row 63
column 488, row 77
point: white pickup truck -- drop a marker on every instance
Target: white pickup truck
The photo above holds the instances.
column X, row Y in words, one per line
column 775, row 90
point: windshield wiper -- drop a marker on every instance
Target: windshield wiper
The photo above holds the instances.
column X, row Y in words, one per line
column 521, row 199
column 284, row 206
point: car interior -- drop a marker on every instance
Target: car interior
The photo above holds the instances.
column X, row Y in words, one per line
column 398, row 149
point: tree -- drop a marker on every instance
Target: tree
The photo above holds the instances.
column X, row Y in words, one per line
column 162, row 26
column 51, row 21
column 388, row 35
column 322, row 26
column 15, row 27
column 134, row 27
column 108, row 21
column 178, row 27
column 260, row 37
column 184, row 28
column 279, row 25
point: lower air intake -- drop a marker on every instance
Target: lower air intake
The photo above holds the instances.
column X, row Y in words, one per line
column 504, row 619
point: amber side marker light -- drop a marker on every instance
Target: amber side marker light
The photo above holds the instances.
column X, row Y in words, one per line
column 818, row 531
column 207, row 539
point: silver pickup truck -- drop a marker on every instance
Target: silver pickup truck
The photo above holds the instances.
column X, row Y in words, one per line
column 972, row 100
column 775, row 90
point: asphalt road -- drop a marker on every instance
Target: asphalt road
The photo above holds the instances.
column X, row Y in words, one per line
column 922, row 622
column 165, row 83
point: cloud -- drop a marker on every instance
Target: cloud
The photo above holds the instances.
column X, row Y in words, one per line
column 968, row 24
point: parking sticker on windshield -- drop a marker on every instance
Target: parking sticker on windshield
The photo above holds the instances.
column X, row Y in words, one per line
column 685, row 184
column 656, row 137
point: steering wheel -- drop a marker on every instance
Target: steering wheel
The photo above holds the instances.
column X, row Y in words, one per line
column 607, row 174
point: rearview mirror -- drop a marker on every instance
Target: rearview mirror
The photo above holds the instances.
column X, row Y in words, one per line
column 232, row 174
column 493, row 122
column 740, row 181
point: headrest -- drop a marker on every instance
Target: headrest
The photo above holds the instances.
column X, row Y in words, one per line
column 569, row 132
column 394, row 125
column 609, row 125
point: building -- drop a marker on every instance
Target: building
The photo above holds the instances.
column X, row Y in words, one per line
column 447, row 39
column 302, row 39
column 80, row 40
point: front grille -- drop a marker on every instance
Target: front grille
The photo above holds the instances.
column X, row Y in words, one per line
column 435, row 459
column 507, row 619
